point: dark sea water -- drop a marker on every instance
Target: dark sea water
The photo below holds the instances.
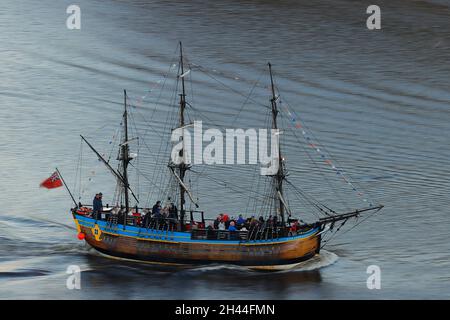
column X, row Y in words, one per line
column 378, row 100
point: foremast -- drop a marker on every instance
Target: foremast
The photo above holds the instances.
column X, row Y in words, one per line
column 124, row 157
column 280, row 174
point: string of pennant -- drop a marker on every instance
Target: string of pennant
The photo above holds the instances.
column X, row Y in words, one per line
column 140, row 100
column 295, row 123
column 326, row 159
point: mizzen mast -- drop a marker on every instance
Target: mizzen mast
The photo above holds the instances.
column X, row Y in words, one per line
column 125, row 157
column 279, row 176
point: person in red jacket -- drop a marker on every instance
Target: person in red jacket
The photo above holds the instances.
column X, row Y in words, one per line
column 226, row 220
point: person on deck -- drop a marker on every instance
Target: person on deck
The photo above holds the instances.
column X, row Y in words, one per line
column 294, row 226
column 156, row 213
column 156, row 210
column 226, row 220
column 253, row 224
column 146, row 221
column 210, row 232
column 269, row 221
column 232, row 226
column 165, row 211
column 173, row 211
column 216, row 223
column 97, row 206
column 240, row 220
column 173, row 215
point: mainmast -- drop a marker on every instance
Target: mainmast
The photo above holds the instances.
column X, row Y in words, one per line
column 182, row 166
column 125, row 157
column 279, row 176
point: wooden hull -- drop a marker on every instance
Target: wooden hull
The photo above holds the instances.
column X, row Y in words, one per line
column 177, row 248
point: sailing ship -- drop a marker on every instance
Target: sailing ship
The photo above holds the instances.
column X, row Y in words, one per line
column 132, row 232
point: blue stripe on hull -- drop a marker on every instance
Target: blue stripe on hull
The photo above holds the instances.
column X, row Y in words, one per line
column 153, row 234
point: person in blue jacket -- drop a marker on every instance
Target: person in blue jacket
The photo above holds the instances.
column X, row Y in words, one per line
column 232, row 226
column 97, row 206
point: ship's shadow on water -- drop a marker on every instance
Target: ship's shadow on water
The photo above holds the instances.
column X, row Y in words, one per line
column 105, row 273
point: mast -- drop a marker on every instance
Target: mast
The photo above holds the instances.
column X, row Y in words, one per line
column 279, row 176
column 182, row 166
column 125, row 157
column 117, row 174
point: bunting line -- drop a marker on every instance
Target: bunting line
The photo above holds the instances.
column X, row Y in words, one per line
column 326, row 159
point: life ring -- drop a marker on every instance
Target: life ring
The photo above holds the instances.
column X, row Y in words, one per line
column 84, row 210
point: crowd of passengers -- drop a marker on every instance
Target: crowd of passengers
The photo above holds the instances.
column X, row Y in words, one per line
column 158, row 213
column 224, row 222
column 167, row 215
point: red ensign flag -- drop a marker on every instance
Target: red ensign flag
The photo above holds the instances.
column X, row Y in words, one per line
column 53, row 182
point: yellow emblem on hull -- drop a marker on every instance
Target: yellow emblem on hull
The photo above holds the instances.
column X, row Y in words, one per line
column 96, row 232
column 78, row 225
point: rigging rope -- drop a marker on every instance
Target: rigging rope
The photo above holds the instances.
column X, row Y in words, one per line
column 228, row 87
column 323, row 153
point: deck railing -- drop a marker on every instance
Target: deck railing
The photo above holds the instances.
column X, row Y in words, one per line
column 199, row 231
